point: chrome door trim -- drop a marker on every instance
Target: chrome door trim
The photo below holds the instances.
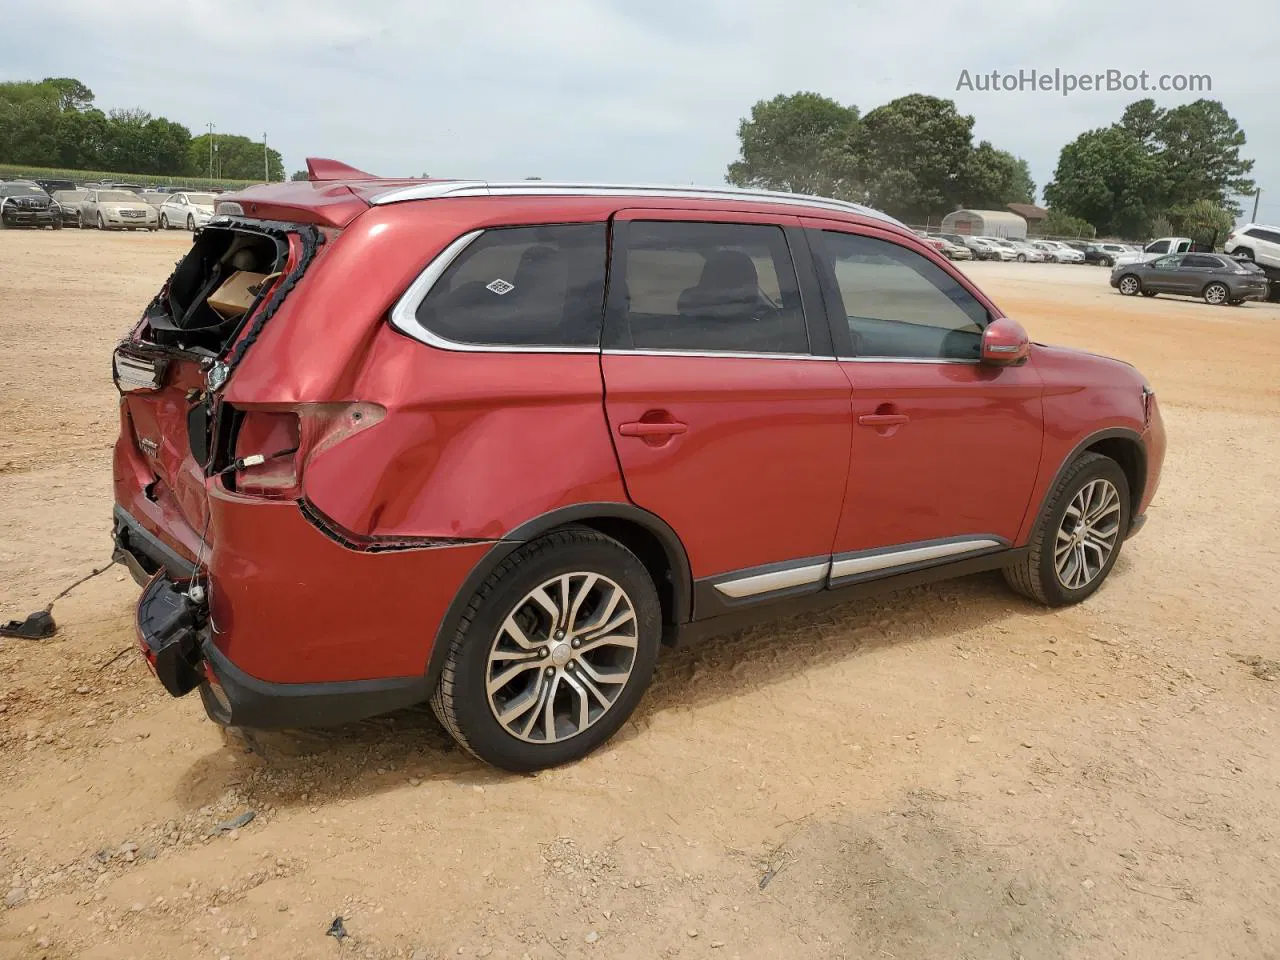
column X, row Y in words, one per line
column 756, row 584
column 864, row 562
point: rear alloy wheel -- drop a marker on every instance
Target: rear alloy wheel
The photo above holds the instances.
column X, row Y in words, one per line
column 1216, row 294
column 1078, row 536
column 553, row 652
column 1130, row 285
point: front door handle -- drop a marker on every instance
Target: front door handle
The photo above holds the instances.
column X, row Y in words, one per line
column 883, row 419
column 647, row 428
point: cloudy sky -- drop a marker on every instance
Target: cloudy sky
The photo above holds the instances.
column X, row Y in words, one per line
column 638, row 90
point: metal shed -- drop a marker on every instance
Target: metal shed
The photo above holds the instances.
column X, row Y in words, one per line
column 985, row 223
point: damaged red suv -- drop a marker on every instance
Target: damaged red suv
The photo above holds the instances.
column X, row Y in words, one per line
column 491, row 445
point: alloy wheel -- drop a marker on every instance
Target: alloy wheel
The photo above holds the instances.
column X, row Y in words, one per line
column 1215, row 294
column 1088, row 534
column 561, row 657
column 1129, row 286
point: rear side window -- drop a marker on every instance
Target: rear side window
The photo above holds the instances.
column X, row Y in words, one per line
column 1270, row 236
column 522, row 286
column 901, row 305
column 1200, row 260
column 708, row 287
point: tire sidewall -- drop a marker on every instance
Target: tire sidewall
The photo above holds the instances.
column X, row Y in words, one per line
column 1098, row 469
column 485, row 736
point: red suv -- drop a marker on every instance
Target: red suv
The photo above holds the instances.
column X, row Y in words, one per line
column 491, row 444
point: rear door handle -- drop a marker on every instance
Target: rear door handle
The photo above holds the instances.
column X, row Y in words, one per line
column 883, row 419
column 645, row 428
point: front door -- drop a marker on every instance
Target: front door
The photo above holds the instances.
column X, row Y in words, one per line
column 728, row 421
column 1167, row 276
column 945, row 450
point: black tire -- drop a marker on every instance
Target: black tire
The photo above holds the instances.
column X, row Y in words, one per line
column 1242, row 253
column 1129, row 285
column 79, row 220
column 102, row 224
column 1107, row 262
column 1036, row 576
column 1148, row 293
column 1022, row 258
column 164, row 221
column 461, row 699
column 191, row 222
column 1216, row 294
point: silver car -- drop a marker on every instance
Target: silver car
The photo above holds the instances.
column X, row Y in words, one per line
column 190, row 210
column 117, row 210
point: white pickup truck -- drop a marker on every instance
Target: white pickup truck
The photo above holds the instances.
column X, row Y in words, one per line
column 1156, row 248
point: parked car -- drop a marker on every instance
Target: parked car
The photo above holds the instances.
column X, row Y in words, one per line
column 1105, row 254
column 190, row 210
column 1256, row 242
column 999, row 250
column 1025, row 252
column 68, row 202
column 116, row 210
column 154, row 197
column 362, row 500
column 977, row 252
column 1216, row 278
column 1059, row 252
column 954, row 251
column 1158, row 248
column 53, row 186
column 23, row 204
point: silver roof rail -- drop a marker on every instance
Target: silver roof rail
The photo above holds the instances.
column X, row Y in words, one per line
column 544, row 188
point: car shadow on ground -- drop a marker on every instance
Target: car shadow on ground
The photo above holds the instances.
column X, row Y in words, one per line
column 315, row 766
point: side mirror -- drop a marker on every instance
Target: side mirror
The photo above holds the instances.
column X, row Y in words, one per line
column 1005, row 343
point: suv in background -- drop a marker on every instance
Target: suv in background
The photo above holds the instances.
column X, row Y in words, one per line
column 24, row 204
column 1256, row 242
column 1105, row 254
column 592, row 421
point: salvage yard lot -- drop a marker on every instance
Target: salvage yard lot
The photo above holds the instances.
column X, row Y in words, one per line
column 946, row 772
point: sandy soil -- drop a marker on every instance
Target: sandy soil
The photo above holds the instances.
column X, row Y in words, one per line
column 949, row 772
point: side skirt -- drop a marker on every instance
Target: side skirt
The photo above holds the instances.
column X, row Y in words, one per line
column 791, row 606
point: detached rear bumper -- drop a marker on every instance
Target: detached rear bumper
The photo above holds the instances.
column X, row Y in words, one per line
column 174, row 633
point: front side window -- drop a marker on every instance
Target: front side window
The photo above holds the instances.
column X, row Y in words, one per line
column 697, row 287
column 522, row 286
column 1168, row 263
column 899, row 304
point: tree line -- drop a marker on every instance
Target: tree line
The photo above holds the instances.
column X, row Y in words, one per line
column 54, row 123
column 1154, row 171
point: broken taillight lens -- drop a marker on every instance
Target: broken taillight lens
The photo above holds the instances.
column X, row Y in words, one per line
column 273, row 444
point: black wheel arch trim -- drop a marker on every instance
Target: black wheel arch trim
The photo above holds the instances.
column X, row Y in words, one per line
column 1110, row 433
column 677, row 559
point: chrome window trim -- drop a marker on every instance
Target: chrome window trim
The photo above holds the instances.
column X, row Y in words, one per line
column 759, row 583
column 546, row 188
column 874, row 561
column 906, row 360
column 713, row 354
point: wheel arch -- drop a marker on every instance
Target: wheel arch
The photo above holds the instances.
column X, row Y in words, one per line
column 645, row 534
column 1120, row 444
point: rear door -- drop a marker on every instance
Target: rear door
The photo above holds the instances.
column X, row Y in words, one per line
column 945, row 450
column 728, row 413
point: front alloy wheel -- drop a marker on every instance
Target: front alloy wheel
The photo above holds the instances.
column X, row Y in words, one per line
column 1088, row 534
column 553, row 652
column 1130, row 285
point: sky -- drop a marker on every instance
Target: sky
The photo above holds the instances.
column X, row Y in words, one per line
column 646, row 91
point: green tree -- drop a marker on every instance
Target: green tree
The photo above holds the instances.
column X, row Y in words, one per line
column 1108, row 178
column 1200, row 146
column 234, row 157
column 71, row 93
column 992, row 178
column 799, row 143
column 1059, row 224
column 914, row 154
column 1202, row 220
column 300, row 175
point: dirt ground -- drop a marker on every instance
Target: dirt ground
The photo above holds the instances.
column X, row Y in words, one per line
column 948, row 772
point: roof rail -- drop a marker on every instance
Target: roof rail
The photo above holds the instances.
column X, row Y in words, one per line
column 544, row 188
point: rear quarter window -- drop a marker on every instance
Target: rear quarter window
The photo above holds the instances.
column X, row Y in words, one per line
column 520, row 287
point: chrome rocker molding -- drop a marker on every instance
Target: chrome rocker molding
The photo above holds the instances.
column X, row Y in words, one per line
column 783, row 579
column 865, row 562
column 547, row 188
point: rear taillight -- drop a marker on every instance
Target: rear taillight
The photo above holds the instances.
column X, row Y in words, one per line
column 273, row 444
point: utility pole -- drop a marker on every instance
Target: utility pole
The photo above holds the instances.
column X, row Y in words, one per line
column 211, row 151
column 1256, row 197
column 266, row 161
